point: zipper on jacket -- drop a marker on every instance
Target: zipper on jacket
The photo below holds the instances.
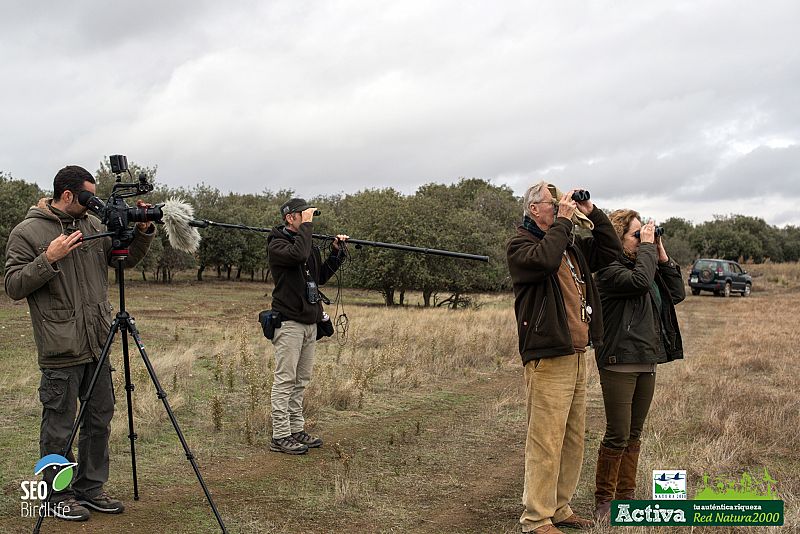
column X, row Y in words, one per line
column 633, row 316
column 541, row 315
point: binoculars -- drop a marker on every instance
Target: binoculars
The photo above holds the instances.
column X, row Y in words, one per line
column 580, row 195
column 659, row 232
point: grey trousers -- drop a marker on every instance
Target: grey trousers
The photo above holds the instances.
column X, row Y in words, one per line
column 294, row 362
column 59, row 392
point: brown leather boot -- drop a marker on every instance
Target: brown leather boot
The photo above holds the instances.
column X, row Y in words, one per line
column 626, row 479
column 608, row 462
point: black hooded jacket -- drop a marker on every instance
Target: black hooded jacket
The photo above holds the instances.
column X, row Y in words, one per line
column 290, row 257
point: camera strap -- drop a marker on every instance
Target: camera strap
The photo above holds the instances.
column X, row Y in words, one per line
column 322, row 297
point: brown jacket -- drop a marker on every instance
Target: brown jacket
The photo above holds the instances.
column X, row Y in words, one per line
column 533, row 261
column 68, row 301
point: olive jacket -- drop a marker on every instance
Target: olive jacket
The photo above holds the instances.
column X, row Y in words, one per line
column 68, row 301
column 534, row 260
column 639, row 299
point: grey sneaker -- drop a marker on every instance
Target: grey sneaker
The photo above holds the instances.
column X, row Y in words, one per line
column 309, row 441
column 70, row 510
column 103, row 502
column 289, row 445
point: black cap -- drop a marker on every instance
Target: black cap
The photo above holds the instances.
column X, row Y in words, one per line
column 294, row 205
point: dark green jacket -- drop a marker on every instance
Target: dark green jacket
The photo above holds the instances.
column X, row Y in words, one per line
column 288, row 255
column 533, row 261
column 68, row 301
column 635, row 330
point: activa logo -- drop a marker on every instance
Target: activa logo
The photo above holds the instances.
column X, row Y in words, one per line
column 649, row 515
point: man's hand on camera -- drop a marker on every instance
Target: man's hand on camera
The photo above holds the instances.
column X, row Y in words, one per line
column 61, row 246
column 585, row 206
column 340, row 239
column 143, row 226
column 308, row 215
column 648, row 232
column 566, row 206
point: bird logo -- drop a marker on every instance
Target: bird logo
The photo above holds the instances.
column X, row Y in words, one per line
column 61, row 467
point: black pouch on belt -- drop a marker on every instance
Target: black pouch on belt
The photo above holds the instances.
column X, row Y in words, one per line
column 270, row 320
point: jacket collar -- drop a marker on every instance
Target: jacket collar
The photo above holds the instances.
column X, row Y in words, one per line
column 531, row 226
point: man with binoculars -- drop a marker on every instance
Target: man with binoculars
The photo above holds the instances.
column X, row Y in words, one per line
column 297, row 268
column 558, row 314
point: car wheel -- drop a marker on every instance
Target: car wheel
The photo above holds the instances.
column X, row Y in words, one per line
column 727, row 291
column 695, row 291
column 746, row 292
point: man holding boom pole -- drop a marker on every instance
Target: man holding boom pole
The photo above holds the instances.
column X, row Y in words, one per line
column 297, row 267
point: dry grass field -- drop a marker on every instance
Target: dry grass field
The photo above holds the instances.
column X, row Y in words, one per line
column 421, row 411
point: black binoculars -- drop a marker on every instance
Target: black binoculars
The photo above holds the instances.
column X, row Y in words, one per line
column 580, row 195
column 659, row 232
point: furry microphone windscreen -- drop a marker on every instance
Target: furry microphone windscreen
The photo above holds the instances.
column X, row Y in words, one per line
column 177, row 215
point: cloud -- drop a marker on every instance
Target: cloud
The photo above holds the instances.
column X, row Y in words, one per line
column 764, row 171
column 661, row 99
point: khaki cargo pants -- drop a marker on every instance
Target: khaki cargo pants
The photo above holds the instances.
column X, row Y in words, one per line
column 294, row 362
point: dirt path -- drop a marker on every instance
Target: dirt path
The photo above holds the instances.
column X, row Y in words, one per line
column 448, row 460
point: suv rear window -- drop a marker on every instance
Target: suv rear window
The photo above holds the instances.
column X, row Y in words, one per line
column 706, row 264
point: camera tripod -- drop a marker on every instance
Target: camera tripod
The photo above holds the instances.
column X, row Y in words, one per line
column 126, row 324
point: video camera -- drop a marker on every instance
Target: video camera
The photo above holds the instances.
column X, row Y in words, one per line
column 114, row 213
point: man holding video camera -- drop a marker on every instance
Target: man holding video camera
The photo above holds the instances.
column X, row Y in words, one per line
column 297, row 267
column 558, row 314
column 66, row 283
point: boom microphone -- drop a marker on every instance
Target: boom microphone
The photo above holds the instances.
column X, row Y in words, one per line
column 178, row 215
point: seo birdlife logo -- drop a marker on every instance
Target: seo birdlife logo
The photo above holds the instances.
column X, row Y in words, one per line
column 38, row 490
column 62, row 468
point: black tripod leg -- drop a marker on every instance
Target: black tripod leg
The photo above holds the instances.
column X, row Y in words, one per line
column 163, row 396
column 82, row 410
column 128, row 395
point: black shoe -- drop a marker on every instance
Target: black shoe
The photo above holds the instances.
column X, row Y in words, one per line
column 309, row 441
column 70, row 510
column 103, row 502
column 287, row 445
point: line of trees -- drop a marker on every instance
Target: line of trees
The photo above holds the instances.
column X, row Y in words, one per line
column 731, row 237
column 471, row 216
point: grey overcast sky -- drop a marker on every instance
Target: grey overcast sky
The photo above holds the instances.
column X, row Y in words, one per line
column 684, row 108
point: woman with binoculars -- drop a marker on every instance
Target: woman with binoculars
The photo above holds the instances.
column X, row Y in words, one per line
column 638, row 293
